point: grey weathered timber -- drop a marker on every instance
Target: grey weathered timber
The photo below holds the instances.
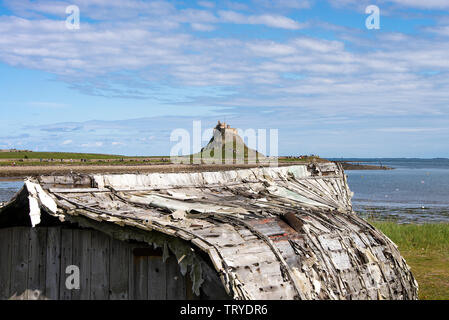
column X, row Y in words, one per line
column 176, row 284
column 37, row 260
column 140, row 272
column 66, row 260
column 119, row 276
column 81, row 257
column 99, row 267
column 157, row 278
column 105, row 266
column 53, row 265
column 19, row 262
column 267, row 233
column 5, row 262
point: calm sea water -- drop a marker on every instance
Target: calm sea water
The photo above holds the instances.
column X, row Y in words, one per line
column 417, row 190
column 8, row 189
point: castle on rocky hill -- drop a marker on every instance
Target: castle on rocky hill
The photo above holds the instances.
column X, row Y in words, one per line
column 223, row 128
column 229, row 144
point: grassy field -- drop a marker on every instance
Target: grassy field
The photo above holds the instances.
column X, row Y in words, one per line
column 96, row 163
column 426, row 249
column 99, row 156
column 303, row 159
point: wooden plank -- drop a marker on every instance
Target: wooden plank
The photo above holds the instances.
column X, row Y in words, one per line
column 52, row 271
column 140, row 277
column 5, row 262
column 131, row 274
column 37, row 263
column 99, row 286
column 157, row 283
column 66, row 260
column 19, row 262
column 119, row 266
column 176, row 283
column 78, row 190
column 81, row 253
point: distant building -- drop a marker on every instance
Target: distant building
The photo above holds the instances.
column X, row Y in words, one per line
column 223, row 127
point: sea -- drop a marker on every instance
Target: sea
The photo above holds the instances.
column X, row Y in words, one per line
column 9, row 187
column 415, row 191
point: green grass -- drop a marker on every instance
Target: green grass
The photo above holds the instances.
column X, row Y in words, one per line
column 417, row 236
column 92, row 163
column 67, row 156
column 426, row 250
column 305, row 159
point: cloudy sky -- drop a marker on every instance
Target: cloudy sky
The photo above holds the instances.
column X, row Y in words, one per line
column 136, row 70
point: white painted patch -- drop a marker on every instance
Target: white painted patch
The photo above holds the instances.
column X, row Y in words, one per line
column 35, row 211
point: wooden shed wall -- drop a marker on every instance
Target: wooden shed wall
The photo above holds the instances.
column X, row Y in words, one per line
column 33, row 265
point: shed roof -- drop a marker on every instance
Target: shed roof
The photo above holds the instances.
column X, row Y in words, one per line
column 270, row 233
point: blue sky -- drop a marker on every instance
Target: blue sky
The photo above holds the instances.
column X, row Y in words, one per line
column 137, row 70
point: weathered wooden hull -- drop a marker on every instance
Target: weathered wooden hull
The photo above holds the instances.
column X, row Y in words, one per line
column 34, row 264
column 269, row 233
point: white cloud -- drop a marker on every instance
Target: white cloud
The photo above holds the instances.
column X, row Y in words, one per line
column 202, row 27
column 207, row 4
column 271, row 48
column 319, row 45
column 275, row 21
column 384, row 5
column 423, row 4
column 66, row 142
column 409, row 130
column 440, row 30
column 294, row 4
column 92, row 144
column 389, row 72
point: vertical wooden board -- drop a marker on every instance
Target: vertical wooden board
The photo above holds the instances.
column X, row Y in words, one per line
column 5, row 262
column 119, row 274
column 52, row 272
column 157, row 279
column 176, row 282
column 99, row 286
column 140, row 277
column 81, row 254
column 131, row 274
column 66, row 260
column 19, row 262
column 37, row 260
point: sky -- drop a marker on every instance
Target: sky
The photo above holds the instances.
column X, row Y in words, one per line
column 134, row 71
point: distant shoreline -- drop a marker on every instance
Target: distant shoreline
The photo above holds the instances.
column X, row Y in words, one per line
column 20, row 171
column 357, row 166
